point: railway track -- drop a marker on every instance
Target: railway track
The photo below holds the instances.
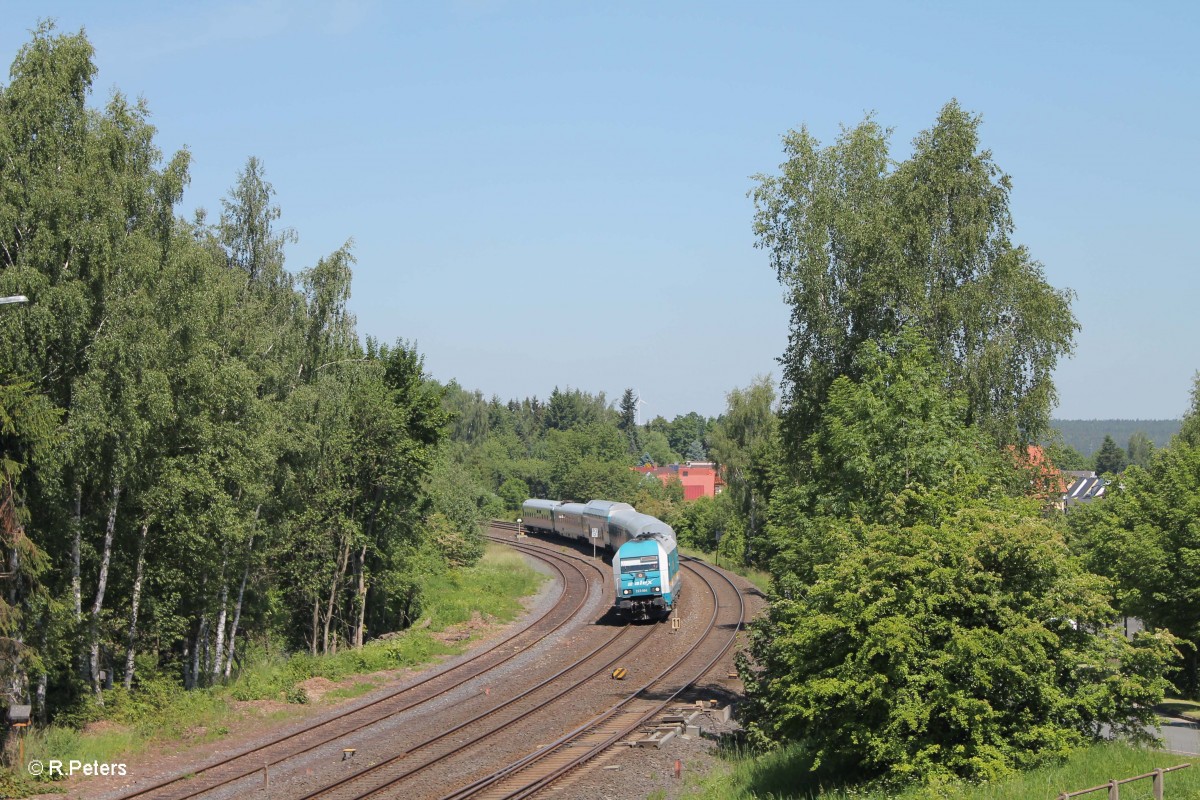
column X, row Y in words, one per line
column 409, row 767
column 379, row 778
column 538, row 770
column 573, row 573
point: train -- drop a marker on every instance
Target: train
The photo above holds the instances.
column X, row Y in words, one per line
column 645, row 560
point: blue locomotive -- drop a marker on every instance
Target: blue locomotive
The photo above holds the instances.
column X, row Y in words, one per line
column 645, row 562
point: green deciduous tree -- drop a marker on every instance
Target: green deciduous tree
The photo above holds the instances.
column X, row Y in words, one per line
column 1189, row 431
column 28, row 431
column 590, row 461
column 890, row 447
column 864, row 247
column 253, row 244
column 460, row 505
column 514, row 492
column 707, row 521
column 687, row 434
column 967, row 648
column 1144, row 535
column 471, row 414
column 896, row 432
column 1064, row 456
column 926, row 620
column 743, row 443
column 656, row 445
column 1140, row 449
column 227, row 455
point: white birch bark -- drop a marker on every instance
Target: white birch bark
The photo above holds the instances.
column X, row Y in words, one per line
column 76, row 585
column 101, row 585
column 133, row 610
column 219, row 645
column 237, row 609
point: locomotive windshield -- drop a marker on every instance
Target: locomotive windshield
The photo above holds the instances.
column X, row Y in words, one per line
column 639, row 564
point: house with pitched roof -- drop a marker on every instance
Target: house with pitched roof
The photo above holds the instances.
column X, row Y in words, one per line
column 1084, row 487
column 699, row 478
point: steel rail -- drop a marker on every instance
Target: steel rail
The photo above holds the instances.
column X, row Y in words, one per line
column 258, row 766
column 393, row 780
column 627, row 723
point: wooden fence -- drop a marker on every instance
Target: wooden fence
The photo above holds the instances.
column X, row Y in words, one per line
column 1114, row 786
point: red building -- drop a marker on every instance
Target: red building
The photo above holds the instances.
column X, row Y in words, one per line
column 1046, row 481
column 699, row 478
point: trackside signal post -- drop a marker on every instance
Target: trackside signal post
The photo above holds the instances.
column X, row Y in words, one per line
column 595, row 536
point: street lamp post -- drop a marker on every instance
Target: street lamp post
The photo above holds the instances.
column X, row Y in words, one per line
column 518, row 527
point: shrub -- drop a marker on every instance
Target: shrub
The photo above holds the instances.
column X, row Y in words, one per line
column 964, row 649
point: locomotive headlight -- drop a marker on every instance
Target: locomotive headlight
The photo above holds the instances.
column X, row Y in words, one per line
column 625, row 591
column 658, row 588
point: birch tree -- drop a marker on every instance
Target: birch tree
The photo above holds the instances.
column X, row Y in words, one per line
column 864, row 246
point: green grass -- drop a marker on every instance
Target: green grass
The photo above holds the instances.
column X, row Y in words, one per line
column 776, row 776
column 494, row 588
column 760, row 578
column 347, row 692
column 1173, row 707
column 159, row 713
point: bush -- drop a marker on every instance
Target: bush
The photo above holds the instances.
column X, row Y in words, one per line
column 961, row 650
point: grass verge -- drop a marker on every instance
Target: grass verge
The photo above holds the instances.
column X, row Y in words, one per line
column 760, row 578
column 159, row 715
column 776, row 776
column 1173, row 707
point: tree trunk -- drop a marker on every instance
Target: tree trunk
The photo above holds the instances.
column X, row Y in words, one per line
column 747, row 556
column 14, row 564
column 219, row 645
column 360, row 570
column 200, row 652
column 1191, row 671
column 101, row 585
column 333, row 588
column 316, row 620
column 76, row 582
column 192, row 678
column 133, row 607
column 39, row 698
column 237, row 609
column 361, row 596
column 76, row 586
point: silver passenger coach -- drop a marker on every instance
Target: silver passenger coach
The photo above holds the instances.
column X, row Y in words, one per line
column 538, row 515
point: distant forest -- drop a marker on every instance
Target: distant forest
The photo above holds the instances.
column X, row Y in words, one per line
column 1086, row 435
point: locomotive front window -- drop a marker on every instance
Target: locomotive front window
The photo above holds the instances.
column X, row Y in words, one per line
column 646, row 563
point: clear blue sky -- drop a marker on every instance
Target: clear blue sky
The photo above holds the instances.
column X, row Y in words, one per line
column 554, row 193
